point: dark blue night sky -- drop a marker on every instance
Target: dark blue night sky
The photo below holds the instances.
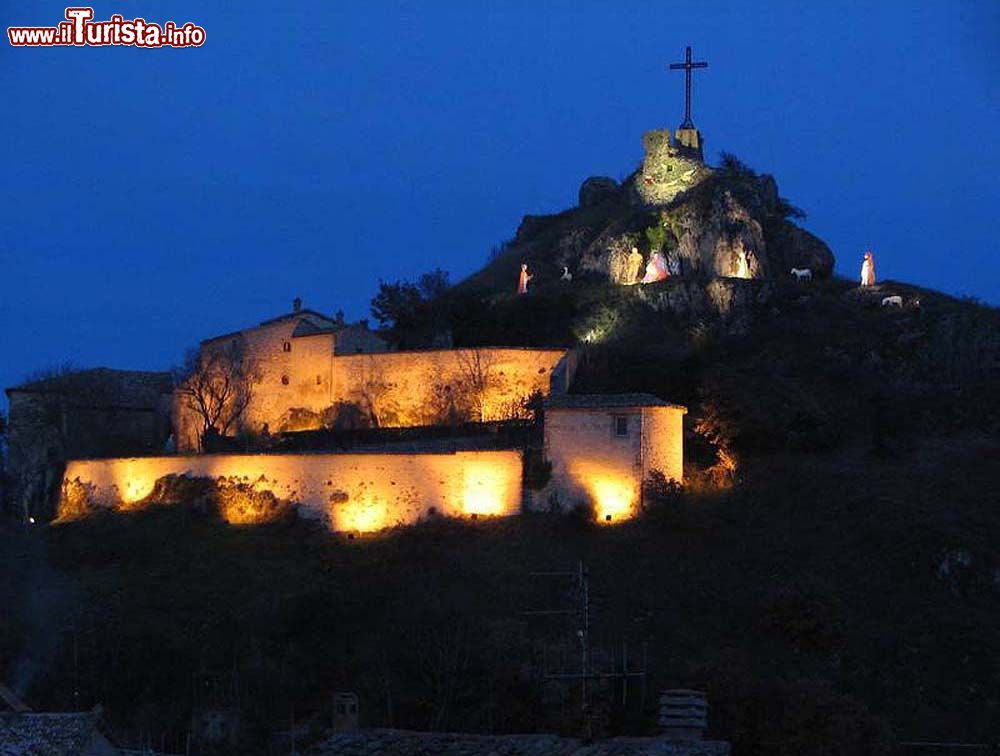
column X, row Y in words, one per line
column 151, row 198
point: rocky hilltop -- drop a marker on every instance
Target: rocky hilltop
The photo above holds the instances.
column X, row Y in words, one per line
column 707, row 222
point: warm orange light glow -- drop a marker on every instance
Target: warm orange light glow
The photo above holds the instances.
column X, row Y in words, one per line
column 614, row 498
column 484, row 490
column 364, row 514
column 352, row 492
column 137, row 485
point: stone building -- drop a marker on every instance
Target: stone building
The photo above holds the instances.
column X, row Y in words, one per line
column 306, row 370
column 87, row 413
column 670, row 166
column 603, row 446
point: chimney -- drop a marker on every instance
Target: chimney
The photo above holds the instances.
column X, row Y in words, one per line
column 683, row 715
column 296, row 304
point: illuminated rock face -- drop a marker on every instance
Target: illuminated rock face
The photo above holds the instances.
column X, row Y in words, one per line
column 603, row 447
column 668, row 168
column 350, row 492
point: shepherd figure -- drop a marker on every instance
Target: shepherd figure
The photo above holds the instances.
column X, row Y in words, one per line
column 522, row 281
column 633, row 266
column 868, row 270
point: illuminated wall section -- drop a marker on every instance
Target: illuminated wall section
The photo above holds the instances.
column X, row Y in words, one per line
column 351, row 492
column 403, row 385
column 595, row 462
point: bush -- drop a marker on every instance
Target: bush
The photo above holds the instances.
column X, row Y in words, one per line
column 537, row 470
column 780, row 717
column 75, row 501
column 242, row 504
column 660, row 495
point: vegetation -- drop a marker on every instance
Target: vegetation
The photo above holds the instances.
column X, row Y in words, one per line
column 829, row 572
column 809, row 601
column 217, row 383
column 408, row 310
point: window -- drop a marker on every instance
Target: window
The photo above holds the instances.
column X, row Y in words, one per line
column 284, row 380
column 621, row 426
column 286, row 346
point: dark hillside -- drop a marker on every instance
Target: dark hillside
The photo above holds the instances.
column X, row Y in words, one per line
column 830, row 574
column 827, row 585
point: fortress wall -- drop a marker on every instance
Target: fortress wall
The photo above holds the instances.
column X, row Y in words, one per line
column 412, row 384
column 407, row 388
column 351, row 492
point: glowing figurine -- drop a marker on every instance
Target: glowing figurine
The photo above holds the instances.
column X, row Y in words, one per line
column 656, row 269
column 566, row 275
column 868, row 270
column 522, row 281
column 634, row 265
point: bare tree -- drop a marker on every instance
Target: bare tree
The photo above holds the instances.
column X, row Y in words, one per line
column 478, row 378
column 374, row 393
column 218, row 384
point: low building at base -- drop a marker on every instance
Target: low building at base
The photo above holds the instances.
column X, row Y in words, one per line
column 602, row 447
column 98, row 412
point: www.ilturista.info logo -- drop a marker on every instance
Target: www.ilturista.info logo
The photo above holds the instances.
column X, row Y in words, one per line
column 80, row 30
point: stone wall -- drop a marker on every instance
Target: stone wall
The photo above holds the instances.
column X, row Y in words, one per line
column 414, row 387
column 398, row 388
column 591, row 465
column 350, row 492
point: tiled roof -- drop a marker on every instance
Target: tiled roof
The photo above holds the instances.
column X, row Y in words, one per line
column 298, row 314
column 406, row 743
column 38, row 734
column 598, row 401
column 104, row 387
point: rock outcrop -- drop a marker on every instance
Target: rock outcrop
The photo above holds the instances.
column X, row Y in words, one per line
column 598, row 189
column 727, row 222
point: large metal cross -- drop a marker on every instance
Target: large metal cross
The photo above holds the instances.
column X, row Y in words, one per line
column 687, row 65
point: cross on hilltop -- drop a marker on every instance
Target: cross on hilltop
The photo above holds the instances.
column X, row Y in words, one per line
column 687, row 67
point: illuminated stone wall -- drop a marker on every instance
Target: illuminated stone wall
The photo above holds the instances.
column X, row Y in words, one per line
column 592, row 465
column 412, row 385
column 351, row 492
column 663, row 442
column 407, row 388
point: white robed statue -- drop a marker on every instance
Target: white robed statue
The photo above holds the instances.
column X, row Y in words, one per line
column 868, row 270
column 656, row 269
